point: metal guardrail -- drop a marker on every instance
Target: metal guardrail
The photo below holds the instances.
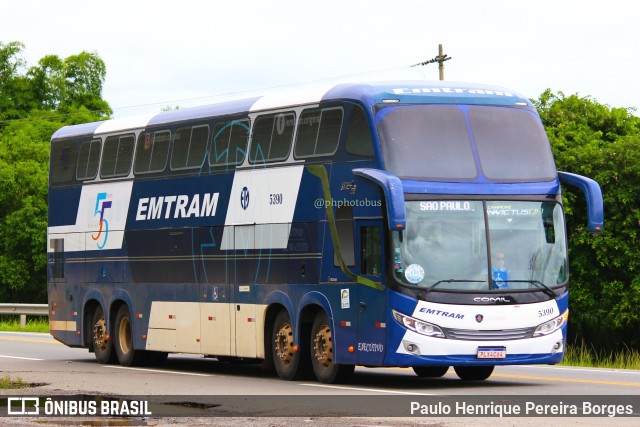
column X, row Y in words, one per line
column 24, row 310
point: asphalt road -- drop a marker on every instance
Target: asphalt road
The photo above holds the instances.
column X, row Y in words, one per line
column 188, row 379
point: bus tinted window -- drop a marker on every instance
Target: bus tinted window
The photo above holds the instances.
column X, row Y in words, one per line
column 318, row 132
column 271, row 137
column 64, row 156
column 427, row 141
column 359, row 140
column 152, row 152
column 117, row 156
column 88, row 160
column 189, row 147
column 507, row 139
column 229, row 145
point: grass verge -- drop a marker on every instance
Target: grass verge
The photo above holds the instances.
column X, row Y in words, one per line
column 7, row 383
column 34, row 324
column 586, row 355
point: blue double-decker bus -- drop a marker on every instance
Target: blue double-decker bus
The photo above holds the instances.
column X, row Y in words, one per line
column 412, row 224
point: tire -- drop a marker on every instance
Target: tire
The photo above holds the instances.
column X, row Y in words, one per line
column 473, row 373
column 123, row 342
column 322, row 356
column 289, row 364
column 430, row 371
column 100, row 341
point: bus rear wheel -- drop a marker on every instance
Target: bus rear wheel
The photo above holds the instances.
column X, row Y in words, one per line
column 290, row 363
column 101, row 343
column 322, row 354
column 473, row 373
column 430, row 371
column 123, row 342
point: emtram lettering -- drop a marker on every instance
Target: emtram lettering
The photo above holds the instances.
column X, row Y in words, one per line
column 198, row 205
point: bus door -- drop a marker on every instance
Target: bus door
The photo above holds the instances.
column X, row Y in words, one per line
column 247, row 259
column 215, row 295
column 371, row 301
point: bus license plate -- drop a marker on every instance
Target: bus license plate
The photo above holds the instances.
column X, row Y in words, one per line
column 492, row 352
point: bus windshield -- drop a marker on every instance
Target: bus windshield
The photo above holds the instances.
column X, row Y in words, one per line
column 441, row 142
column 474, row 245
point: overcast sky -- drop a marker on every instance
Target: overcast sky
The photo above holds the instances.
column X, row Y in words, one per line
column 160, row 53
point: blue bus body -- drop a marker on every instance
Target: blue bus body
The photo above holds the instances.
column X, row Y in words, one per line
column 317, row 230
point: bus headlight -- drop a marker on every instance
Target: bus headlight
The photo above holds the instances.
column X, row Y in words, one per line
column 552, row 325
column 418, row 326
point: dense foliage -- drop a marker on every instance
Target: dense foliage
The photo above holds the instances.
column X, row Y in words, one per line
column 602, row 143
column 34, row 103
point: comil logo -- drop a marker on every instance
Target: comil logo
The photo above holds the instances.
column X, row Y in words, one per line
column 102, row 204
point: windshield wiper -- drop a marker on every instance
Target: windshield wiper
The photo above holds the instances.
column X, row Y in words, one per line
column 547, row 290
column 439, row 282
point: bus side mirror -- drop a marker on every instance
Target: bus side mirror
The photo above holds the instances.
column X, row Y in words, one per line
column 393, row 194
column 593, row 194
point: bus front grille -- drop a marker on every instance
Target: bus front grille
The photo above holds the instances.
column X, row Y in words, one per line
column 500, row 334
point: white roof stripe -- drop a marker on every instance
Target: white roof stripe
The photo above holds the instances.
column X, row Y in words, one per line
column 307, row 95
column 125, row 123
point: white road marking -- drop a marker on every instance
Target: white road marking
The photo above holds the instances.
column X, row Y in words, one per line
column 160, row 371
column 18, row 357
column 368, row 389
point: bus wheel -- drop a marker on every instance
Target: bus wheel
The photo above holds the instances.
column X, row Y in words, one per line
column 102, row 346
column 473, row 373
column 322, row 356
column 430, row 371
column 123, row 343
column 290, row 363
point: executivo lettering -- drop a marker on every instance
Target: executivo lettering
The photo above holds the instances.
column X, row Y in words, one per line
column 180, row 206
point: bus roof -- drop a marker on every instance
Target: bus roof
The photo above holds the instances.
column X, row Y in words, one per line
column 370, row 93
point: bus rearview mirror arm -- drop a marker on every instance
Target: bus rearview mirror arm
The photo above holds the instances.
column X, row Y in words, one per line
column 393, row 194
column 593, row 194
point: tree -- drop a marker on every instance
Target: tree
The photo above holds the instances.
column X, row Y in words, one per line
column 33, row 105
column 603, row 143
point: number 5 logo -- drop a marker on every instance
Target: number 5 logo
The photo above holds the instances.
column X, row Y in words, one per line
column 102, row 204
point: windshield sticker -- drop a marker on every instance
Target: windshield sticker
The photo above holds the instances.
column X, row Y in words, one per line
column 414, row 273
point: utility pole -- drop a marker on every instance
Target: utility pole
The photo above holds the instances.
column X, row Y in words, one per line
column 439, row 59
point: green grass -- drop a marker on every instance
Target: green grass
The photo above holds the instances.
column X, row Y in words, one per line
column 34, row 324
column 7, row 383
column 586, row 355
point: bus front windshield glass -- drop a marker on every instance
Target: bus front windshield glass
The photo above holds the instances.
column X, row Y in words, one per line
column 447, row 246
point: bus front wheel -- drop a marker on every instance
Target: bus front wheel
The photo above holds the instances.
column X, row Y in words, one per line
column 430, row 371
column 322, row 354
column 101, row 342
column 473, row 373
column 291, row 362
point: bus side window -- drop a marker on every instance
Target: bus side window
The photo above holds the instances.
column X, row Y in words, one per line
column 152, row 151
column 370, row 255
column 189, row 147
column 229, row 147
column 57, row 259
column 318, row 132
column 359, row 141
column 271, row 137
column 117, row 156
column 64, row 156
column 344, row 226
column 88, row 160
